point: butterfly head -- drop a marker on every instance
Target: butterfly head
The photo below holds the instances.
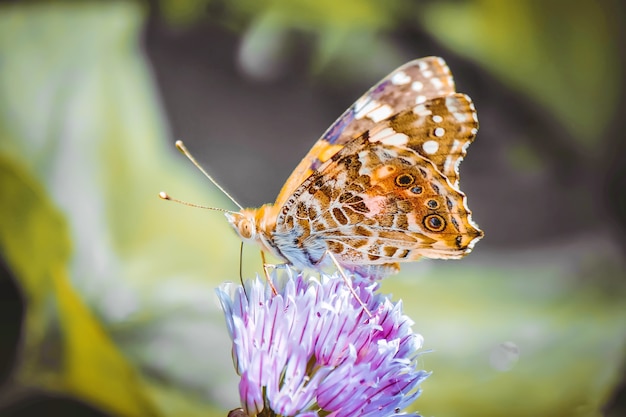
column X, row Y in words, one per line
column 244, row 224
column 254, row 225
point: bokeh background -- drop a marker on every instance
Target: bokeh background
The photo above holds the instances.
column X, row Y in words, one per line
column 107, row 304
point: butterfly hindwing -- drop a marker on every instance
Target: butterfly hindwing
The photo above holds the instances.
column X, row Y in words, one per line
column 379, row 201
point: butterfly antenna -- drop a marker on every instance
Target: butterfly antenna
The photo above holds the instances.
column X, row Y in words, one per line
column 183, row 149
column 165, row 196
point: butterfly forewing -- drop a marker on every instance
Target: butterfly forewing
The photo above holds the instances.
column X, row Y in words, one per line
column 413, row 83
column 376, row 202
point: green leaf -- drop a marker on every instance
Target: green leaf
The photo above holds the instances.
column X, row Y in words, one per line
column 35, row 242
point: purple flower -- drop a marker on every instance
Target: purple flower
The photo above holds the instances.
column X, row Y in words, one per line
column 313, row 350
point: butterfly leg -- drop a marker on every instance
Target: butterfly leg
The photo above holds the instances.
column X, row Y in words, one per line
column 266, row 268
column 348, row 282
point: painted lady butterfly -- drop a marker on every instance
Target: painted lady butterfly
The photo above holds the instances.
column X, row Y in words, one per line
column 381, row 186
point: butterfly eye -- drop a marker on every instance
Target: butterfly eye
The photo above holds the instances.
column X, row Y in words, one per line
column 434, row 223
column 245, row 229
column 432, row 204
column 404, row 180
column 417, row 189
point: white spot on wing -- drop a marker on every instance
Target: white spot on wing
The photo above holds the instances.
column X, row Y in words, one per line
column 417, row 86
column 437, row 118
column 446, row 164
column 422, row 111
column 474, row 131
column 437, row 83
column 396, row 140
column 420, row 99
column 388, row 136
column 430, row 147
column 381, row 113
column 440, row 131
column 456, row 165
column 358, row 106
column 459, row 113
column 400, row 78
column 461, row 117
column 365, row 109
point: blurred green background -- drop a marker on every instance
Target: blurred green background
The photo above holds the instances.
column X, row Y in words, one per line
column 107, row 293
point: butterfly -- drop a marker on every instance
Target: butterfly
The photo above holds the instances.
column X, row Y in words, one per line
column 381, row 186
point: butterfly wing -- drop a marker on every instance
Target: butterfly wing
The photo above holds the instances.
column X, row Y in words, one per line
column 413, row 83
column 383, row 197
